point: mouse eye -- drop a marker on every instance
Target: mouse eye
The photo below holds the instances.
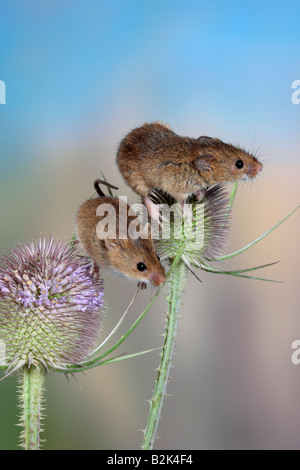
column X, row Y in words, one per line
column 239, row 164
column 141, row 266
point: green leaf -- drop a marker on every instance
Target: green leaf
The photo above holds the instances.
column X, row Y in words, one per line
column 116, row 327
column 238, row 272
column 233, row 194
column 82, row 368
column 235, row 253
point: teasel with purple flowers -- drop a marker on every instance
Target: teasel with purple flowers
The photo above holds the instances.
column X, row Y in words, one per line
column 51, row 318
column 49, row 306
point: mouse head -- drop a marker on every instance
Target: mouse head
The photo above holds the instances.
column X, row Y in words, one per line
column 219, row 162
column 135, row 259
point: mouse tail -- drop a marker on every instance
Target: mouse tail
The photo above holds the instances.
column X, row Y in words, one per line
column 99, row 190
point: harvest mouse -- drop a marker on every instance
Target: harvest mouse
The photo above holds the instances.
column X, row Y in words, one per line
column 153, row 156
column 107, row 241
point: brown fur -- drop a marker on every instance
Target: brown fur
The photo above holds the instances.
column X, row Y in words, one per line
column 154, row 156
column 117, row 254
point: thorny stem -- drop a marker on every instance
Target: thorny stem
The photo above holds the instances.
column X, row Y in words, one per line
column 176, row 287
column 31, row 390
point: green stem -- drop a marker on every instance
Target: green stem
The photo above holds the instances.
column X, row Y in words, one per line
column 31, row 390
column 176, row 286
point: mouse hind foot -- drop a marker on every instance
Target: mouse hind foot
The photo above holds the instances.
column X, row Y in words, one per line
column 95, row 271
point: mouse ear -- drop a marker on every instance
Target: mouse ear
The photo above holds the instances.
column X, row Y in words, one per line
column 205, row 162
column 112, row 243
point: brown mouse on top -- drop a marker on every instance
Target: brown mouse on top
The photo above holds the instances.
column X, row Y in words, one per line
column 153, row 156
column 113, row 248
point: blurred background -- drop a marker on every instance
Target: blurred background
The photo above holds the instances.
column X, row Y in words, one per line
column 80, row 75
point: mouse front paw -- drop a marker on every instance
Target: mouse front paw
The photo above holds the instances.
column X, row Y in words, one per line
column 142, row 285
column 200, row 194
column 95, row 271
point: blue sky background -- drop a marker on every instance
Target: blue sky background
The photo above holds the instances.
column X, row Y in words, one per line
column 220, row 67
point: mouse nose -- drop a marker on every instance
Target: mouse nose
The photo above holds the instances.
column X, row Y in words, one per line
column 254, row 169
column 157, row 278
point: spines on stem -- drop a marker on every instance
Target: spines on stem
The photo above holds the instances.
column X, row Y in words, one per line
column 31, row 395
column 176, row 287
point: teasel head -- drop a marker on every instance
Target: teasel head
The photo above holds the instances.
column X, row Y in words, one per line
column 200, row 231
column 50, row 306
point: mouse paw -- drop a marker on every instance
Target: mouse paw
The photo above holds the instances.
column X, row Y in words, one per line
column 95, row 271
column 142, row 285
column 200, row 194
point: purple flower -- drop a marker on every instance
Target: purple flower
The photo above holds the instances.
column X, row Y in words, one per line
column 50, row 305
